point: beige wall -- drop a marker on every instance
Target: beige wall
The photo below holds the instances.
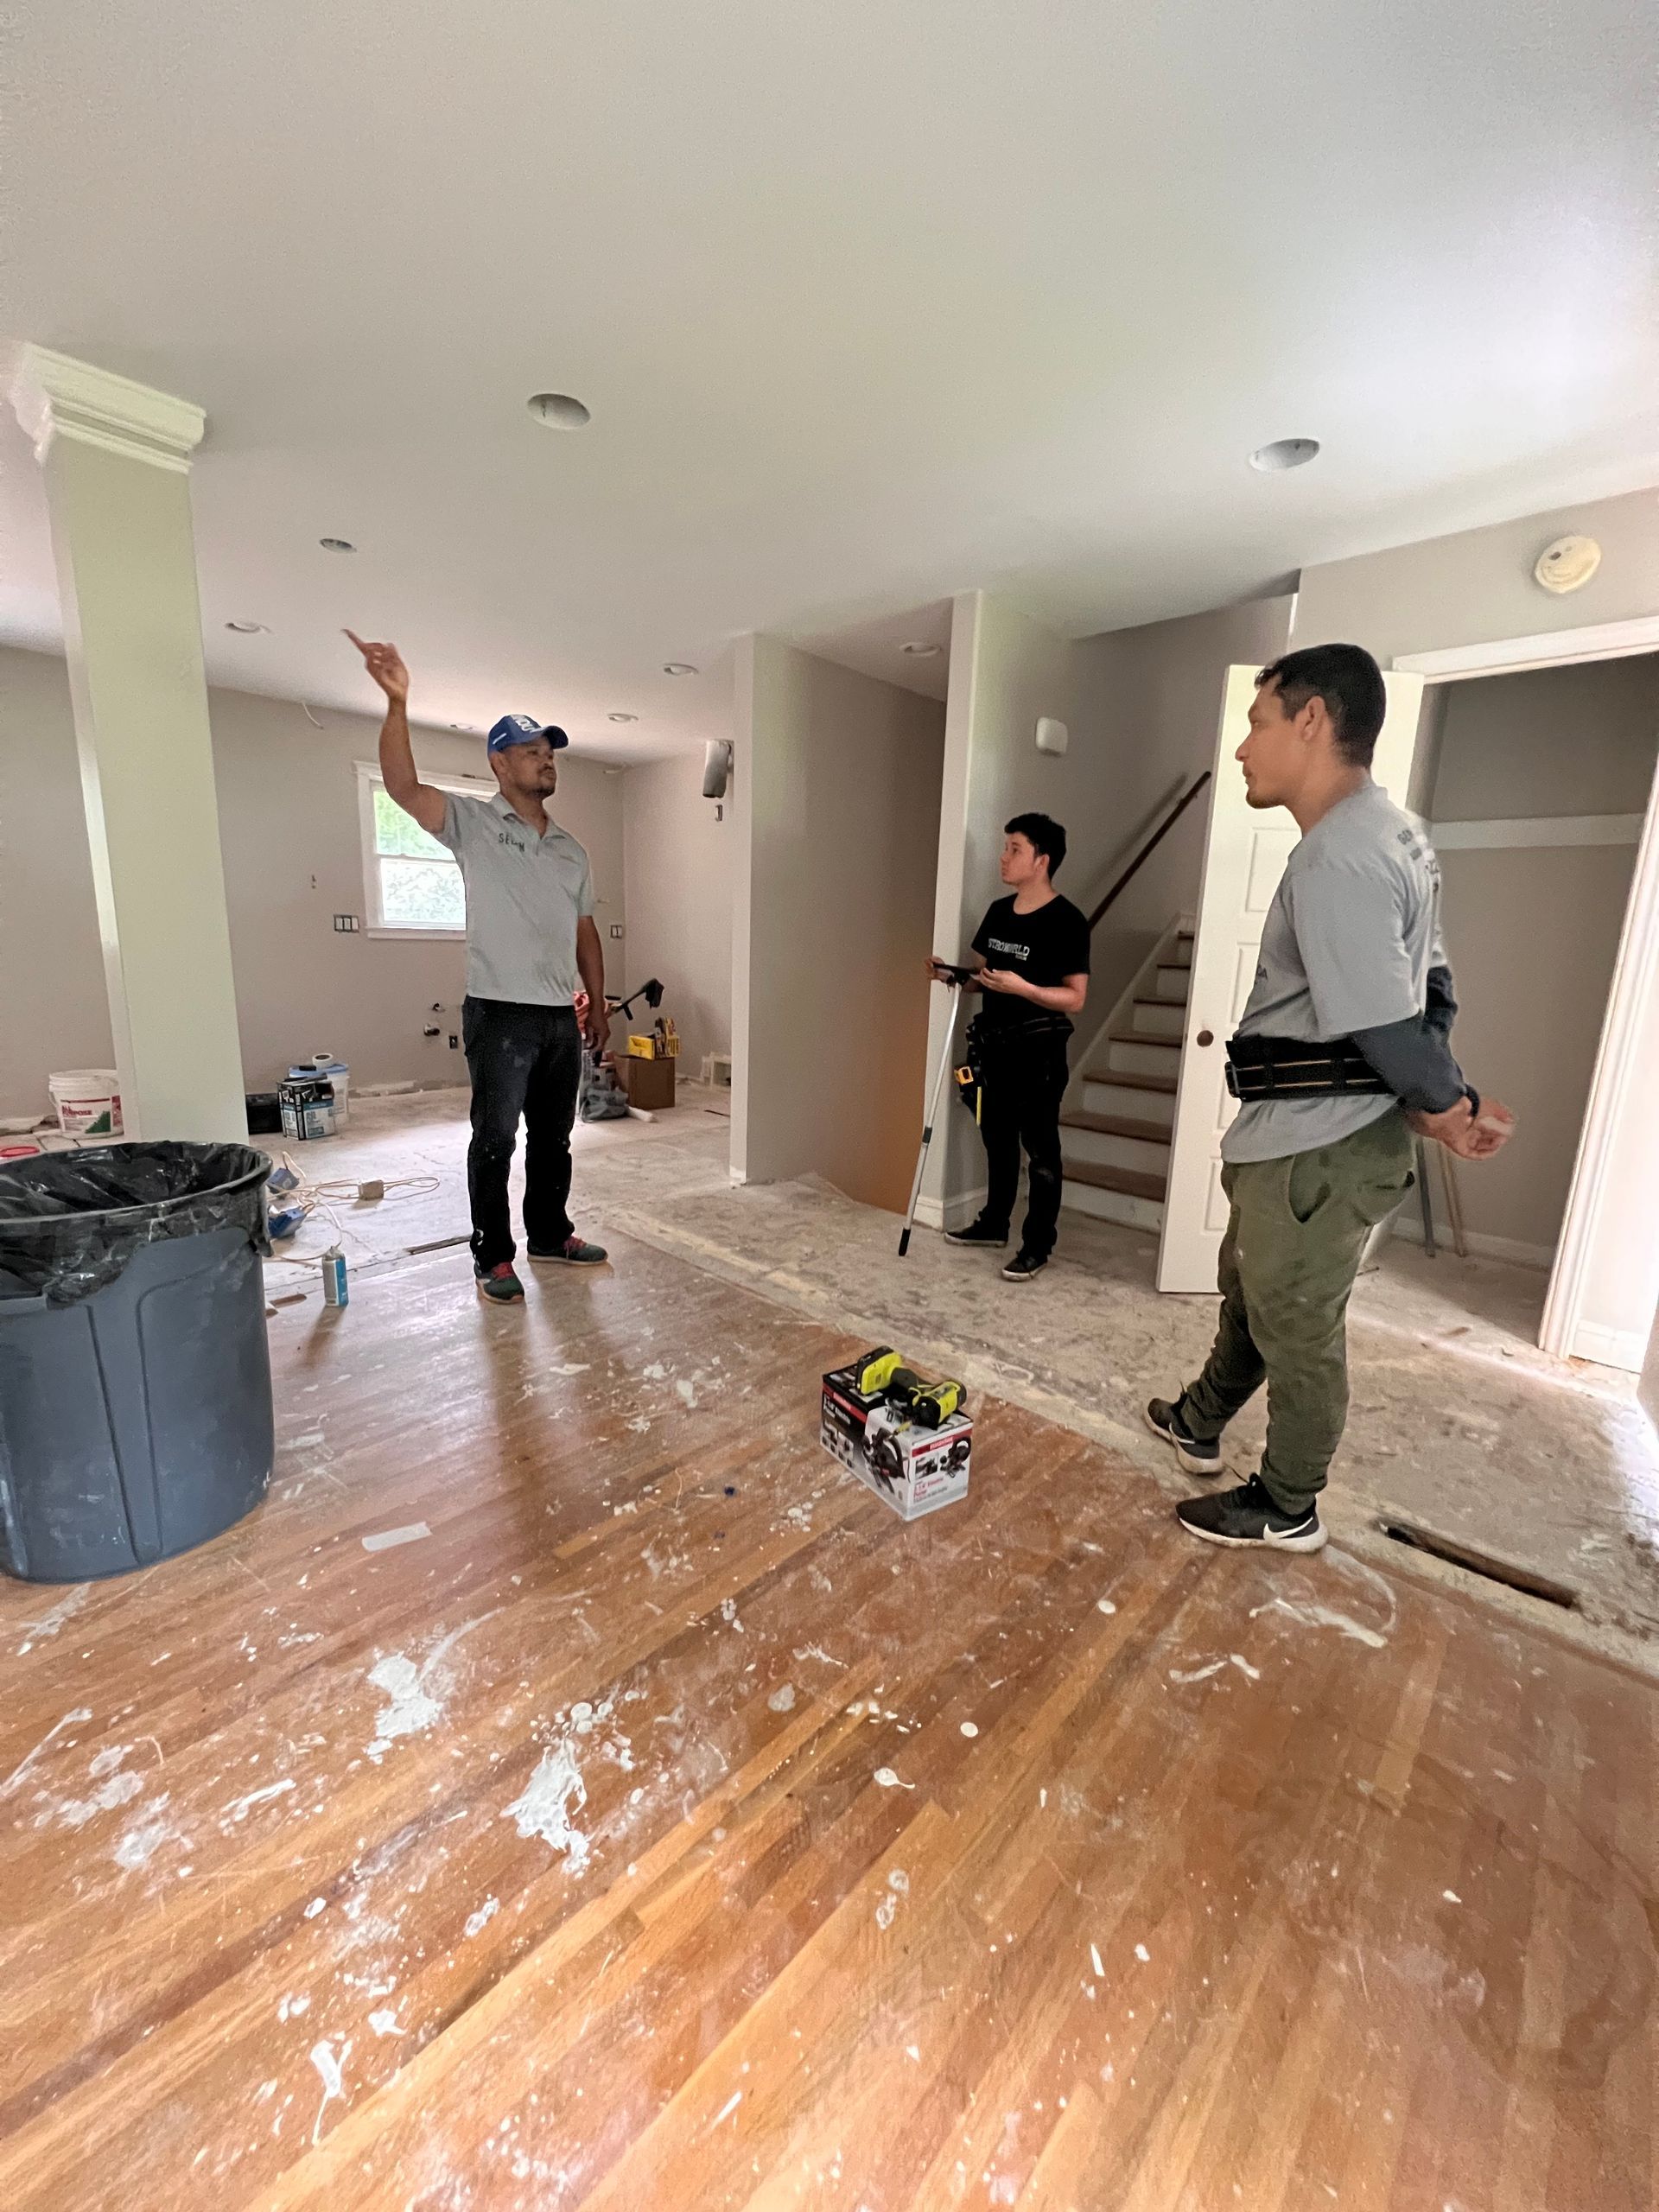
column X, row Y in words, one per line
column 1477, row 586
column 837, row 803
column 1533, row 931
column 678, row 885
column 289, row 830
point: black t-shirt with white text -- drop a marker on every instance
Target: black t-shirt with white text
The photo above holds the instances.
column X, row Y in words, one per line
column 1043, row 947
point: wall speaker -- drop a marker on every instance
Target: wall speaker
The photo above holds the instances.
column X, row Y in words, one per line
column 716, row 768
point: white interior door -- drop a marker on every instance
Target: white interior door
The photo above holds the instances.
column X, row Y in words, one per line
column 1244, row 857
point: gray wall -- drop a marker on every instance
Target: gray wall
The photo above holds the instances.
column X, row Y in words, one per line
column 288, row 825
column 1533, row 931
column 678, row 885
column 837, row 805
column 1477, row 586
column 1153, row 695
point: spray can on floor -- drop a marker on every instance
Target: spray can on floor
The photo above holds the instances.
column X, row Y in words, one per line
column 335, row 1289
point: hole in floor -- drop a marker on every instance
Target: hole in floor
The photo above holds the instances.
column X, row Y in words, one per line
column 1523, row 1579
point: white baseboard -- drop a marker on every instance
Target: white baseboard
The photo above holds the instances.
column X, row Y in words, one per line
column 1410, row 1226
column 1623, row 1348
column 955, row 1212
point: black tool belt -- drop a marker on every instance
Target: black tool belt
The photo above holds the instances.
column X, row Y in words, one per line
column 1285, row 1067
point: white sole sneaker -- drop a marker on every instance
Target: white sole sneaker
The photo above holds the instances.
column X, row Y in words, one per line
column 1295, row 1540
column 1188, row 1463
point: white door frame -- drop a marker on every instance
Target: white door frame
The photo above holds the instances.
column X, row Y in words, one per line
column 1635, row 975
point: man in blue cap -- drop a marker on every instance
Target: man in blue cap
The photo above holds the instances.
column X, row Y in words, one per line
column 532, row 943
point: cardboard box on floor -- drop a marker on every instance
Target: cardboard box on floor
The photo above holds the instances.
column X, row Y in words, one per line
column 649, row 1084
column 915, row 1470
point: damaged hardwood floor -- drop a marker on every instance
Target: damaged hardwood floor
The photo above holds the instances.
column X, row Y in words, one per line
column 571, row 1790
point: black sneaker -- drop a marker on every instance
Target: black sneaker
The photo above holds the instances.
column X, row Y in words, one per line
column 1195, row 1456
column 977, row 1232
column 499, row 1284
column 574, row 1252
column 1249, row 1516
column 1023, row 1265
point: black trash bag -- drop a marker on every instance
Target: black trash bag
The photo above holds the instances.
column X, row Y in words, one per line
column 71, row 1221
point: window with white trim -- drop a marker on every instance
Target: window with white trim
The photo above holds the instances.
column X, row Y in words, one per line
column 411, row 884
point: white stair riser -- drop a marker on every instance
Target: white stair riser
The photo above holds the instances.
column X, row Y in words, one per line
column 1173, row 983
column 1157, row 1021
column 1101, row 1096
column 1114, row 1205
column 1142, row 1154
column 1124, row 1058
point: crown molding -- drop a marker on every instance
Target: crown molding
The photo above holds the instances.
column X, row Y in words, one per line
column 54, row 396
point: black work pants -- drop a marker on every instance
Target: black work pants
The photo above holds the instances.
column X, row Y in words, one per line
column 525, row 1061
column 1023, row 1085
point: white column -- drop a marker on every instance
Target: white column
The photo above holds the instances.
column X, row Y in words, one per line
column 116, row 459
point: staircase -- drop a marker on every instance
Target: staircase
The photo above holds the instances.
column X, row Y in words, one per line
column 1116, row 1144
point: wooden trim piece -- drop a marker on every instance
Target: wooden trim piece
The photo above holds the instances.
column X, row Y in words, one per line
column 1551, row 829
column 1544, row 649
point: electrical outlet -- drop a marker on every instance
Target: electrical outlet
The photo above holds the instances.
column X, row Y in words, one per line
column 616, row 929
column 347, row 923
column 455, row 1043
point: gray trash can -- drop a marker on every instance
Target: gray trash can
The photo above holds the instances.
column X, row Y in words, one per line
column 136, row 1416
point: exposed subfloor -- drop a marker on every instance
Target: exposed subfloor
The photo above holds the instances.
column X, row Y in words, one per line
column 1458, row 1422
column 572, row 1788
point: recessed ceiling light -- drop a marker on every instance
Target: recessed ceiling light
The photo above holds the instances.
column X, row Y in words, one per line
column 558, row 410
column 467, row 729
column 248, row 629
column 679, row 668
column 337, row 545
column 1284, row 453
column 918, row 649
column 621, row 718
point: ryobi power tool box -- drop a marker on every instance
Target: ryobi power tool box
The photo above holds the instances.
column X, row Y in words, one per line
column 905, row 1438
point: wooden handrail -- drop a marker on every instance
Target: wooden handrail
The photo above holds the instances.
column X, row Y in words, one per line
column 1152, row 844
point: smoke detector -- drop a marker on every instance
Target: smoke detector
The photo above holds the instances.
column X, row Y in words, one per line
column 1567, row 564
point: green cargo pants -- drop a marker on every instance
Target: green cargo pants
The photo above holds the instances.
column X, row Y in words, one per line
column 1294, row 1239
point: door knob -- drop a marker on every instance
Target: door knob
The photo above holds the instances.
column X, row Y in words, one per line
column 1206, row 1037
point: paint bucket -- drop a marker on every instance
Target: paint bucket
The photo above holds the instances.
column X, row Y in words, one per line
column 338, row 1073
column 87, row 1102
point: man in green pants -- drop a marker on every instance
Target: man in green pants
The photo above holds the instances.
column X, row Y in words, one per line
column 1343, row 1053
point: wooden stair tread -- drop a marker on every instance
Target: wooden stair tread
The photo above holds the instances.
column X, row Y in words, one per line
column 1118, row 1125
column 1146, row 1001
column 1167, row 1083
column 1140, row 1037
column 1129, row 1181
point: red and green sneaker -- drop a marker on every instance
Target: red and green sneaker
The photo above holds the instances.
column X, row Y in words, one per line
column 499, row 1284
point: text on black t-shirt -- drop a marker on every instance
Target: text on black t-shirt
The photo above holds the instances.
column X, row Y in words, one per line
column 1043, row 947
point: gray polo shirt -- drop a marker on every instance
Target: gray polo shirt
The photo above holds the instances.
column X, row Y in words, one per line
column 524, row 896
column 1352, row 933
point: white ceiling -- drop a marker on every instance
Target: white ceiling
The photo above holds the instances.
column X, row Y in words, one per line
column 870, row 301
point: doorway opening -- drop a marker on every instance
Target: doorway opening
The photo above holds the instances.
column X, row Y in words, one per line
column 1535, row 785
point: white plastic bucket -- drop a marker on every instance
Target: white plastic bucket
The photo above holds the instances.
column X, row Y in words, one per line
column 338, row 1073
column 87, row 1102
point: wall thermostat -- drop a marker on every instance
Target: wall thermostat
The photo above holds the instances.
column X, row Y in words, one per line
column 1567, row 564
column 1051, row 736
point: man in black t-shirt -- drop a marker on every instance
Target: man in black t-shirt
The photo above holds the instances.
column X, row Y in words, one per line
column 1035, row 945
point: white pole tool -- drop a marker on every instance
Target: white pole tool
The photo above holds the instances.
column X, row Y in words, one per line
column 953, row 984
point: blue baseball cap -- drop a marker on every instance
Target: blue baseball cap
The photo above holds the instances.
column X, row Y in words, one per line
column 524, row 729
